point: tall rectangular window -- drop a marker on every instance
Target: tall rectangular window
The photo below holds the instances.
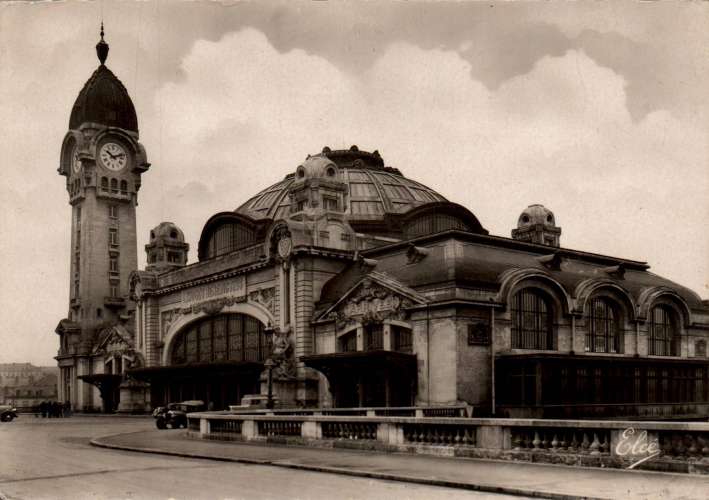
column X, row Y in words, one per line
column 532, row 326
column 373, row 337
column 329, row 203
column 348, row 342
column 113, row 265
column 113, row 237
column 664, row 332
column 113, row 211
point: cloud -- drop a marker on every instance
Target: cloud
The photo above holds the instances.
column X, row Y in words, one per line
column 444, row 93
column 560, row 134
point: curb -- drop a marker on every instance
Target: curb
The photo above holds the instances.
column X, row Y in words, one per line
column 486, row 488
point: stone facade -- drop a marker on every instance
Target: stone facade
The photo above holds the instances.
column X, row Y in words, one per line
column 102, row 162
column 348, row 284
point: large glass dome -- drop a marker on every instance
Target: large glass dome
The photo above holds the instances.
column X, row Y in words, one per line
column 373, row 189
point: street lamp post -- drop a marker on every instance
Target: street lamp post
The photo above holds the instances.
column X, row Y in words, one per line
column 269, row 398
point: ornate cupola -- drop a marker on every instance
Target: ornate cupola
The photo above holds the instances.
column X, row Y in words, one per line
column 104, row 99
column 318, row 186
column 536, row 224
column 167, row 249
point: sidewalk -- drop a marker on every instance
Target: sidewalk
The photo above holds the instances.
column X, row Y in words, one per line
column 531, row 480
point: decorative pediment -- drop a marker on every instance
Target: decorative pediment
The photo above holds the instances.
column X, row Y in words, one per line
column 376, row 297
column 114, row 340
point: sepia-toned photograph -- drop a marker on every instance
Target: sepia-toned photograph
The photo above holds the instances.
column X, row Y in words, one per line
column 354, row 249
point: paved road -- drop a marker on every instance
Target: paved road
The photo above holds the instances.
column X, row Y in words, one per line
column 52, row 459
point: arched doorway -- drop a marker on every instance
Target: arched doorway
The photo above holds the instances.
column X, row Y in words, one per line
column 217, row 359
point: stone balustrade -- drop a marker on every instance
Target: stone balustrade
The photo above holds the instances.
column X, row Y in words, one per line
column 674, row 446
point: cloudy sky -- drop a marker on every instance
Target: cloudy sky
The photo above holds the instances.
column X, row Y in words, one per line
column 597, row 110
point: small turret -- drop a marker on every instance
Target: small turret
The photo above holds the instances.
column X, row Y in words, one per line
column 167, row 249
column 536, row 224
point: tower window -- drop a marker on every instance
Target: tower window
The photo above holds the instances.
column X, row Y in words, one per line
column 124, row 187
column 104, row 183
column 329, row 203
column 113, row 237
column 114, row 291
column 113, row 265
column 113, row 211
column 114, row 186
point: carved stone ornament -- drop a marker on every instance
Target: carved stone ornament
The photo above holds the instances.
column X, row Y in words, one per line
column 372, row 303
column 415, row 254
column 166, row 319
column 285, row 246
column 282, row 354
column 264, row 296
column 281, row 242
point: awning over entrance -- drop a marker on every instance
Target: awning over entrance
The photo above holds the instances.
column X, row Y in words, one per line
column 218, row 384
column 108, row 384
column 368, row 378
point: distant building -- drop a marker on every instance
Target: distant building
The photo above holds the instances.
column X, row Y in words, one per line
column 366, row 288
column 26, row 385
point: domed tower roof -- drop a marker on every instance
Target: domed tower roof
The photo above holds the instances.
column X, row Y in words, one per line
column 373, row 190
column 104, row 99
column 167, row 249
column 167, row 231
column 535, row 214
column 536, row 224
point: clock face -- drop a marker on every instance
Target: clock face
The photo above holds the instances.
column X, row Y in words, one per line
column 75, row 163
column 113, row 156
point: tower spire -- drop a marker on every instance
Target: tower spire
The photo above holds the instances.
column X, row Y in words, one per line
column 102, row 48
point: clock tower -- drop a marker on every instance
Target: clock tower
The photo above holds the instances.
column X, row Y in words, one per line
column 102, row 162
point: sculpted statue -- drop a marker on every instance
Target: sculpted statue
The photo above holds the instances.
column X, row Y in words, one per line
column 282, row 354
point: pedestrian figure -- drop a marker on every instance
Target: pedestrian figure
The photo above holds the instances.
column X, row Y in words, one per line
column 43, row 409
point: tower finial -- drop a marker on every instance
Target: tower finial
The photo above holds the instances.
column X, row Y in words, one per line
column 102, row 48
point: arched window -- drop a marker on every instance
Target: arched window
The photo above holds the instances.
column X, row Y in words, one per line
column 104, row 183
column 114, row 186
column 532, row 320
column 225, row 337
column 228, row 238
column 603, row 334
column 124, row 187
column 663, row 337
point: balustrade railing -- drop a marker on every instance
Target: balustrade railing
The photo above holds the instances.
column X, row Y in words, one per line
column 562, row 440
column 684, row 445
column 279, row 428
column 230, row 429
column 673, row 445
column 347, row 430
column 440, row 435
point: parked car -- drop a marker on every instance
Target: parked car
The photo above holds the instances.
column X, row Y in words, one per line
column 174, row 415
column 7, row 413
